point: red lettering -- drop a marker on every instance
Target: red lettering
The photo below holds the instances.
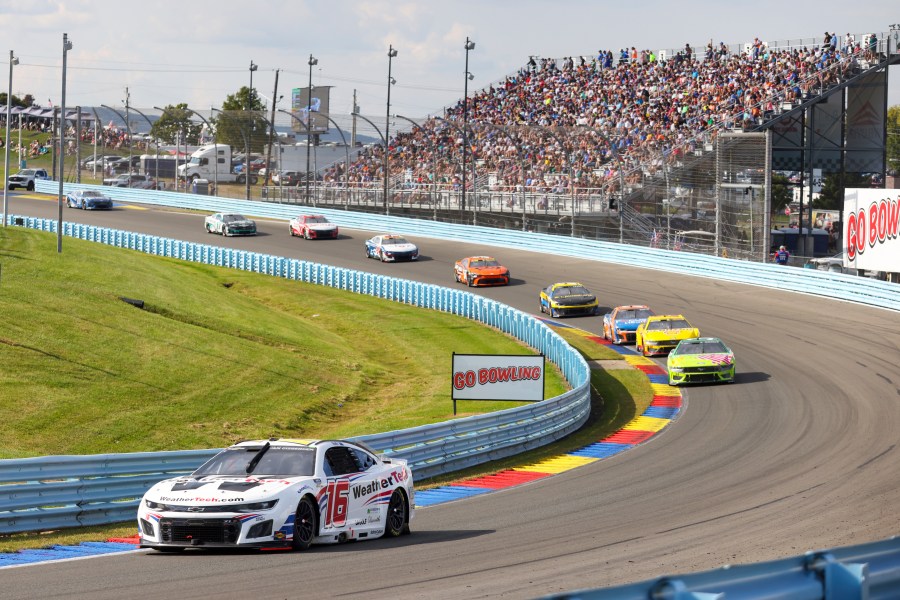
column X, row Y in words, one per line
column 459, row 380
column 470, row 378
column 482, row 376
column 851, row 236
column 893, row 218
column 882, row 220
column 861, row 232
column 873, row 224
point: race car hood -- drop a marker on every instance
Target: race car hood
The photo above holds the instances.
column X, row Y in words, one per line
column 322, row 226
column 399, row 248
column 700, row 360
column 628, row 324
column 575, row 300
column 489, row 270
column 212, row 490
column 671, row 334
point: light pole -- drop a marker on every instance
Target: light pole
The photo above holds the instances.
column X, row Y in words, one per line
column 253, row 67
column 67, row 45
column 470, row 45
column 343, row 139
column 313, row 61
column 13, row 61
column 387, row 126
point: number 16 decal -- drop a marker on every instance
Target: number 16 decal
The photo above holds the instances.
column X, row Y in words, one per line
column 338, row 493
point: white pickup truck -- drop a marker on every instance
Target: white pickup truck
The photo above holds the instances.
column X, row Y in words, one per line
column 25, row 178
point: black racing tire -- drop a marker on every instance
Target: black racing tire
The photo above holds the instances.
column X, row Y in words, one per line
column 306, row 235
column 291, row 230
column 397, row 518
column 224, row 231
column 208, row 228
column 305, row 524
column 381, row 255
column 541, row 306
column 469, row 280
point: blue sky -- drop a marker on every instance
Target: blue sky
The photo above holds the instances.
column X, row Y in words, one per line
column 200, row 51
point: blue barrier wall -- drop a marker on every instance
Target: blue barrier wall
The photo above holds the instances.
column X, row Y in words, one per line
column 840, row 286
column 52, row 492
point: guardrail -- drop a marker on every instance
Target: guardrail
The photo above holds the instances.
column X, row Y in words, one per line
column 839, row 286
column 865, row 571
column 67, row 491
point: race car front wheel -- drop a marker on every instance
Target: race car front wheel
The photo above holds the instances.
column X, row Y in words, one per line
column 396, row 524
column 304, row 524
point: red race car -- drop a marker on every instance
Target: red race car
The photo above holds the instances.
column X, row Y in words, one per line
column 313, row 227
column 480, row 270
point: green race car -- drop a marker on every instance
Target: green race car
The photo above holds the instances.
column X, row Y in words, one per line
column 701, row 360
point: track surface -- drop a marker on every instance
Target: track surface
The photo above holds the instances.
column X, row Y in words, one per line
column 800, row 453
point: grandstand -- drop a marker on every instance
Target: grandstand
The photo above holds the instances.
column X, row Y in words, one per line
column 626, row 146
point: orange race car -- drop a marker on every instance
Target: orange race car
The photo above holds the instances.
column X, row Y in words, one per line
column 480, row 270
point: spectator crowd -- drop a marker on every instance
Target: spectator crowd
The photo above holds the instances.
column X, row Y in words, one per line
column 581, row 121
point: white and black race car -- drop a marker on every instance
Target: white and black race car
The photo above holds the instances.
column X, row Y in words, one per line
column 280, row 493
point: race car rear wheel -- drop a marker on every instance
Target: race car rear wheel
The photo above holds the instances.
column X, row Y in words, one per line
column 305, row 521
column 396, row 522
column 470, row 281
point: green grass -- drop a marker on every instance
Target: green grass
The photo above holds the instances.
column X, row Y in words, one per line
column 217, row 355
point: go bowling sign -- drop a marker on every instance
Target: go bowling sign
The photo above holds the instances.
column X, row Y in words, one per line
column 518, row 378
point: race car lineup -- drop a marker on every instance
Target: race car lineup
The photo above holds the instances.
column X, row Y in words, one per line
column 652, row 334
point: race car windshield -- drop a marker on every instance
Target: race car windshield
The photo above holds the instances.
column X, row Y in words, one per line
column 640, row 313
column 91, row 194
column 703, row 348
column 232, row 218
column 485, row 263
column 316, row 220
column 275, row 462
column 393, row 241
column 571, row 290
column 668, row 324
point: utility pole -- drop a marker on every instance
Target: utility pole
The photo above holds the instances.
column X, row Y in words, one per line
column 128, row 130
column 353, row 129
column 271, row 132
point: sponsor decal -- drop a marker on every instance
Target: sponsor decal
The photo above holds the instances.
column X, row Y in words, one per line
column 373, row 487
column 200, row 499
column 464, row 379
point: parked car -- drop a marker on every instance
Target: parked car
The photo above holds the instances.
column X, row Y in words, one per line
column 480, row 270
column 313, row 227
column 89, row 200
column 100, row 161
column 567, row 299
column 701, row 360
column 659, row 334
column 229, row 224
column 132, row 180
column 286, row 178
column 26, row 178
column 391, row 247
column 280, row 493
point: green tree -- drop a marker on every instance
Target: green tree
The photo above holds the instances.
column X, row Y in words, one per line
column 16, row 101
column 832, row 196
column 782, row 194
column 174, row 123
column 242, row 115
column 893, row 139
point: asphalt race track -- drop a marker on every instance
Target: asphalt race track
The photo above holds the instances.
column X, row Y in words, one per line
column 799, row 454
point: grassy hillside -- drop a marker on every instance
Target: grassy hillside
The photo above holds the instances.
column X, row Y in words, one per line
column 215, row 356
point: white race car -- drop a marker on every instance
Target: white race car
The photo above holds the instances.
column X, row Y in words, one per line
column 229, row 224
column 280, row 493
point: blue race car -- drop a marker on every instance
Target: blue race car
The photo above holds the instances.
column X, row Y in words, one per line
column 89, row 200
column 620, row 324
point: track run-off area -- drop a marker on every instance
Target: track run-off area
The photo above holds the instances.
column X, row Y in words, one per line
column 799, row 454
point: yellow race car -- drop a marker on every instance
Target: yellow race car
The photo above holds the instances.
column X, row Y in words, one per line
column 660, row 333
